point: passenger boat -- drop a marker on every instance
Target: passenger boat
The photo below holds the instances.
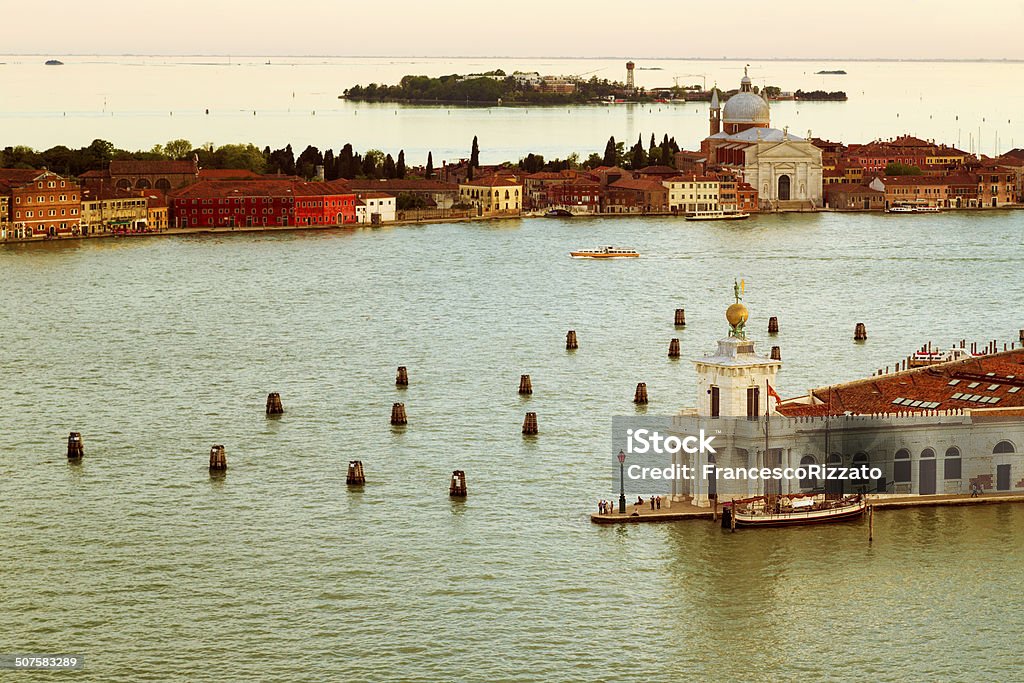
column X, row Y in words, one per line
column 605, row 252
column 792, row 510
column 716, row 216
column 908, row 208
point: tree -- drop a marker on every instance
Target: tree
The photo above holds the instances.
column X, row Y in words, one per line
column 637, row 157
column 400, row 165
column 306, row 164
column 609, row 152
column 389, row 167
column 347, row 165
column 594, row 160
column 282, row 161
column 373, row 159
column 474, row 154
column 248, row 157
column 896, row 168
column 430, row 166
column 100, row 152
column 178, row 149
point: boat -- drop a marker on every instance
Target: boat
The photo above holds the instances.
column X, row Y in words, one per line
column 605, row 252
column 54, row 62
column 792, row 510
column 717, row 216
column 558, row 213
column 912, row 208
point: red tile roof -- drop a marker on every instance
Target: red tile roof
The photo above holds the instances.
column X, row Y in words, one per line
column 218, row 189
column 493, row 181
column 227, row 174
column 131, row 167
column 947, row 386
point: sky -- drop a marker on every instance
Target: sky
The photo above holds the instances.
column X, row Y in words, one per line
column 886, row 29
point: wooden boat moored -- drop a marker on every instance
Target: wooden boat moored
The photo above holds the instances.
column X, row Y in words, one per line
column 792, row 510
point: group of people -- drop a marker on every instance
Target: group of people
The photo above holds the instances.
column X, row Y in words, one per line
column 607, row 507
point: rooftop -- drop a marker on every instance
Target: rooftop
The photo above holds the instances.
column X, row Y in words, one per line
column 992, row 381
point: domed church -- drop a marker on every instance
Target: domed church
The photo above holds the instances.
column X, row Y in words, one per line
column 785, row 169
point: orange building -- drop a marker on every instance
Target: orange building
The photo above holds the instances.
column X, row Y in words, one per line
column 41, row 203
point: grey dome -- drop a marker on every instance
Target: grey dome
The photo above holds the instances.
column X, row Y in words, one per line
column 745, row 107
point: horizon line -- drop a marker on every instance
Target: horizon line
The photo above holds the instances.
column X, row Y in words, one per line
column 568, row 58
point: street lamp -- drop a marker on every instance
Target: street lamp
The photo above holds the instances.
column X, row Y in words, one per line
column 622, row 483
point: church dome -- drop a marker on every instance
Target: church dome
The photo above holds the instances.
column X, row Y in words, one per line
column 745, row 107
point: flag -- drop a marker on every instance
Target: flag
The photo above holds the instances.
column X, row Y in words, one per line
column 774, row 394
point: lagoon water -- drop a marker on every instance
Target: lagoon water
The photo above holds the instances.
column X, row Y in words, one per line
column 139, row 101
column 157, row 348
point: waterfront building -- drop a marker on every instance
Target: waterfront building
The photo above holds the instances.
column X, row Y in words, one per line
column 635, row 195
column 112, row 210
column 5, row 209
column 947, row 428
column 157, row 211
column 926, row 155
column 910, row 189
column 161, row 175
column 581, row 195
column 495, row 195
column 40, row 203
column 259, row 203
column 690, row 163
column 1013, row 161
column 848, row 197
column 786, row 170
column 375, row 207
column 688, row 194
column 434, row 194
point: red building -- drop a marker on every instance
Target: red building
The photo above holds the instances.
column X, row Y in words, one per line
column 269, row 202
column 41, row 203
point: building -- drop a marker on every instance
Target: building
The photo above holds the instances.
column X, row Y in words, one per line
column 113, row 211
column 688, row 194
column 161, row 175
column 539, row 188
column 845, row 197
column 5, row 208
column 495, row 195
column 41, row 204
column 635, row 195
column 157, row 211
column 581, row 195
column 919, row 190
column 259, row 203
column 433, row 194
column 375, row 207
column 905, row 150
column 786, row 170
column 947, row 428
column 690, row 163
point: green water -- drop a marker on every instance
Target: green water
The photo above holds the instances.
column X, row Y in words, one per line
column 155, row 349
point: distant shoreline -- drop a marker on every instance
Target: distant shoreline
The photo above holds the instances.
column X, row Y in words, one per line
column 911, row 60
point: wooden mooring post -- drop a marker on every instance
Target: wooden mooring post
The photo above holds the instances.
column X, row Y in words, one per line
column 355, row 475
column 75, row 448
column 525, row 385
column 860, row 332
column 773, row 325
column 680, row 320
column 776, row 353
column 218, row 459
column 398, row 417
column 530, row 425
column 402, row 377
column 570, row 341
column 640, row 395
column 274, row 405
column 457, row 487
column 673, row 348
column 871, row 523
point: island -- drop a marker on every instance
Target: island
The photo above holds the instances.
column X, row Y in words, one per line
column 836, row 72
column 501, row 88
column 54, row 62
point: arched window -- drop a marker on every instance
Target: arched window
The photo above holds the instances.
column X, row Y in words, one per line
column 951, row 464
column 808, row 482
column 928, row 453
column 1004, row 447
column 901, row 466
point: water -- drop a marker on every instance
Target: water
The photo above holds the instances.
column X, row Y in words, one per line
column 137, row 102
column 155, row 349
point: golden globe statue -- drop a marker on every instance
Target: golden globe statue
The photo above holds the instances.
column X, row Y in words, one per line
column 737, row 315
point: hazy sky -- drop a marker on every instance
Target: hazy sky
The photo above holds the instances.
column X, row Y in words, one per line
column 901, row 29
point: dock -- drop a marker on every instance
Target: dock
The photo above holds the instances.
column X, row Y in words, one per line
column 685, row 511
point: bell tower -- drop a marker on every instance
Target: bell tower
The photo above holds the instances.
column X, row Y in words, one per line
column 734, row 381
column 715, row 113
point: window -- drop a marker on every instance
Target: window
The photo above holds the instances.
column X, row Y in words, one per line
column 901, row 466
column 951, row 468
column 1004, row 447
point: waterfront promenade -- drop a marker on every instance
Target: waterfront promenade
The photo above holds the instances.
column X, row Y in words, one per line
column 685, row 511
